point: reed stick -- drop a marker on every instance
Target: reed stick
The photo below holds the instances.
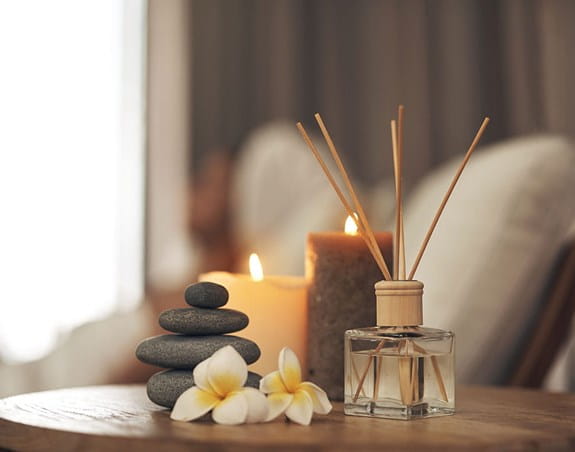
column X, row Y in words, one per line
column 405, row 368
column 397, row 217
column 377, row 381
column 342, row 198
column 414, row 379
column 366, row 371
column 439, row 378
column 446, row 197
column 328, row 174
column 401, row 245
column 347, row 181
column 400, row 112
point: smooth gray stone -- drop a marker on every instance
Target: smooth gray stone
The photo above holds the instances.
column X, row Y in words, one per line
column 165, row 387
column 185, row 352
column 206, row 295
column 201, row 321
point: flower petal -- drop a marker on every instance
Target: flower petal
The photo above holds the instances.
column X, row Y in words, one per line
column 277, row 404
column 290, row 369
column 192, row 404
column 227, row 371
column 321, row 403
column 201, row 376
column 232, row 410
column 257, row 405
column 272, row 383
column 301, row 408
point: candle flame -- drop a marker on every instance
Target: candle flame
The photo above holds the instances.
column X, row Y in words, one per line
column 350, row 227
column 256, row 269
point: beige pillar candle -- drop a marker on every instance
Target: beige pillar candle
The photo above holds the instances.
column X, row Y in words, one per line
column 277, row 309
column 341, row 274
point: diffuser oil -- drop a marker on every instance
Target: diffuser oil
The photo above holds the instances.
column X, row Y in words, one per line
column 399, row 371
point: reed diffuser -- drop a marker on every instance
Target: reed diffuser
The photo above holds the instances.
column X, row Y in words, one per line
column 397, row 369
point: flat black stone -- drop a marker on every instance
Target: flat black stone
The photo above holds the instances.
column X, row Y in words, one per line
column 206, row 295
column 165, row 387
column 201, row 321
column 185, row 352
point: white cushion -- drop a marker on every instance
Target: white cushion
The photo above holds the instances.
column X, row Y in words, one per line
column 490, row 255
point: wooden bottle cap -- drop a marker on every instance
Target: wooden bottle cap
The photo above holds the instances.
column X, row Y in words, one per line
column 399, row 303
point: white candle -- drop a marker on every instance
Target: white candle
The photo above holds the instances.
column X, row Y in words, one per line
column 277, row 309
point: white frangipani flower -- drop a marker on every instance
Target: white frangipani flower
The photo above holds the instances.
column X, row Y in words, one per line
column 219, row 382
column 287, row 393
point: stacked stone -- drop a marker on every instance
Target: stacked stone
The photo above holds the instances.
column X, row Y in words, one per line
column 200, row 331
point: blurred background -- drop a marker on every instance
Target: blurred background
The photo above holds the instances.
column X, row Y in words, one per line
column 144, row 142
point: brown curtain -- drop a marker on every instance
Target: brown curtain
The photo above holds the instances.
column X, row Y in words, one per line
column 450, row 62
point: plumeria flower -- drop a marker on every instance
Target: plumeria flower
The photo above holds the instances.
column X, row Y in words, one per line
column 219, row 382
column 287, row 393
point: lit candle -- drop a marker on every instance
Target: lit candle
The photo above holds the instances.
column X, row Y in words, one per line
column 276, row 307
column 341, row 273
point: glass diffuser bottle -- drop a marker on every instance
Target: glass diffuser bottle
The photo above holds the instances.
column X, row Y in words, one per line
column 399, row 369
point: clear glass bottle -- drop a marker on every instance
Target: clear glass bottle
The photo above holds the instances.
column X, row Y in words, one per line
column 400, row 370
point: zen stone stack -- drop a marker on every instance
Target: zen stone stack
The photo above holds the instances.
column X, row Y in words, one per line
column 200, row 330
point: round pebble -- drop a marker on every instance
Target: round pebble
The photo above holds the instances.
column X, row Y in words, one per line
column 185, row 352
column 206, row 295
column 165, row 387
column 202, row 321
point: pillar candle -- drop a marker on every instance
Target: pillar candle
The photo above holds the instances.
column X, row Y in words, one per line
column 277, row 309
column 341, row 274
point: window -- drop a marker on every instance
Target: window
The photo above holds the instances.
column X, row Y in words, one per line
column 71, row 166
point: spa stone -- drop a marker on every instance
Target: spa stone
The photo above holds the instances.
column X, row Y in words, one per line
column 206, row 295
column 201, row 321
column 165, row 387
column 185, row 352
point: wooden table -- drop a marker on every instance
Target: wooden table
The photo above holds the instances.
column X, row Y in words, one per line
column 102, row 418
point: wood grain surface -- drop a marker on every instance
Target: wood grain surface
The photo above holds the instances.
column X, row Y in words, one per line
column 103, row 418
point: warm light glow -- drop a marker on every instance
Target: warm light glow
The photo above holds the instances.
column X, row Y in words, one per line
column 70, row 154
column 256, row 269
column 350, row 227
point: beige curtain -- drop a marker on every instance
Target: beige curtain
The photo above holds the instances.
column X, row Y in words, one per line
column 169, row 253
column 449, row 61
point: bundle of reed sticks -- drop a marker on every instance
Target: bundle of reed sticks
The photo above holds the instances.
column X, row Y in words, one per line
column 355, row 210
column 408, row 383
